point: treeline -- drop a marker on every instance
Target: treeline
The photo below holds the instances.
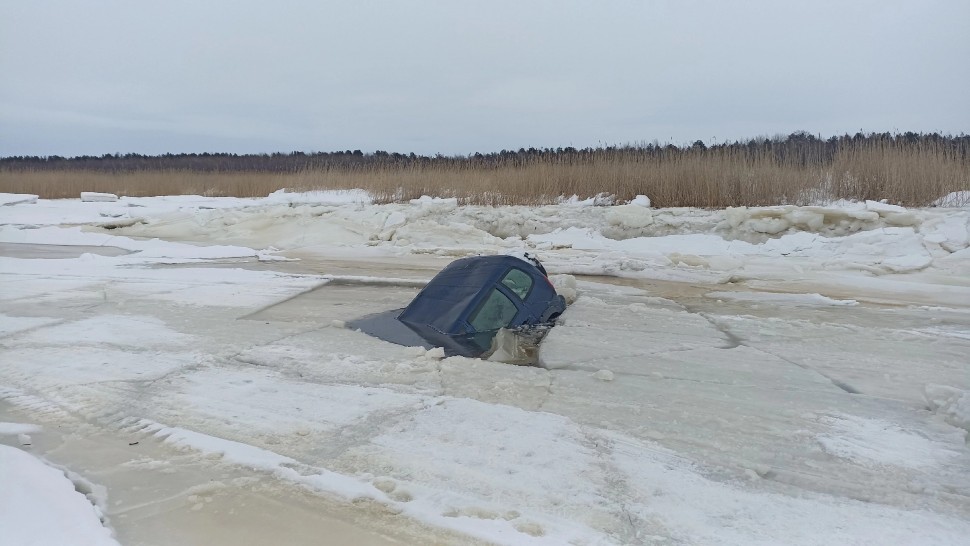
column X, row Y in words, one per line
column 799, row 149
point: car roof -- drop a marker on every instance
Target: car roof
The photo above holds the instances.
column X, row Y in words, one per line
column 452, row 291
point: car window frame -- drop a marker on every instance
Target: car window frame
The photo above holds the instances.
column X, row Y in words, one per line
column 532, row 284
column 507, row 294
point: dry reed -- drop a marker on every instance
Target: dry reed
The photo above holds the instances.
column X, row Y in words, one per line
column 913, row 175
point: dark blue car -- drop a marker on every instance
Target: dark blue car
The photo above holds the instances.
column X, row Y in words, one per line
column 467, row 303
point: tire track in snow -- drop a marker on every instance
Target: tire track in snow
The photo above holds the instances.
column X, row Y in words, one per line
column 633, row 529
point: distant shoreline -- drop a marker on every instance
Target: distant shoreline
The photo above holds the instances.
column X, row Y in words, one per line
column 905, row 168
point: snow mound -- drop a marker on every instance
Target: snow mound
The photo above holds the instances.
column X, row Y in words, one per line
column 831, row 220
column 630, row 217
column 641, row 200
column 394, row 219
column 96, row 197
column 565, row 286
column 39, row 505
column 951, row 403
column 954, row 199
column 951, row 233
column 599, row 200
column 527, row 257
column 17, row 199
column 320, row 197
column 874, row 443
column 603, row 375
column 437, row 353
column 426, row 200
column 882, row 206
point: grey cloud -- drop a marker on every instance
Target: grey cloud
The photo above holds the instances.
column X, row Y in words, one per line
column 459, row 77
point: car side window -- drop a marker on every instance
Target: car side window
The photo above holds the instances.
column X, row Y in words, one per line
column 496, row 312
column 519, row 282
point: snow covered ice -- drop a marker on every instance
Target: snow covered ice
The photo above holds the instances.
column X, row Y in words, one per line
column 40, row 505
column 776, row 375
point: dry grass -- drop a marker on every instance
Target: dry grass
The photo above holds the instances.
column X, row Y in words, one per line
column 909, row 175
column 913, row 175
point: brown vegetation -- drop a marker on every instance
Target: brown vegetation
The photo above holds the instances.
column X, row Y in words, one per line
column 906, row 171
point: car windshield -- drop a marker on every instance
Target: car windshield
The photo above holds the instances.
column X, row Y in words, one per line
column 496, row 312
column 519, row 282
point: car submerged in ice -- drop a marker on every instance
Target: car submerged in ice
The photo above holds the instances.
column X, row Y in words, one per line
column 468, row 303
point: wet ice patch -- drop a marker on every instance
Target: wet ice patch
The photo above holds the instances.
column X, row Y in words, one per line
column 143, row 249
column 254, row 294
column 798, row 300
column 874, row 442
column 955, row 331
column 318, row 479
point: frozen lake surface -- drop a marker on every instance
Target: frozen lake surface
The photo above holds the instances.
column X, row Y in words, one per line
column 23, row 250
column 765, row 376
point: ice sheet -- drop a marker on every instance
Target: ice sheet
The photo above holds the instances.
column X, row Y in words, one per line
column 754, row 375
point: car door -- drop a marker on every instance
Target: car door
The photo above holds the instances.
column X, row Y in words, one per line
column 505, row 303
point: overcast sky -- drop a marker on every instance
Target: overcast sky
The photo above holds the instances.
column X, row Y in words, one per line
column 457, row 77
